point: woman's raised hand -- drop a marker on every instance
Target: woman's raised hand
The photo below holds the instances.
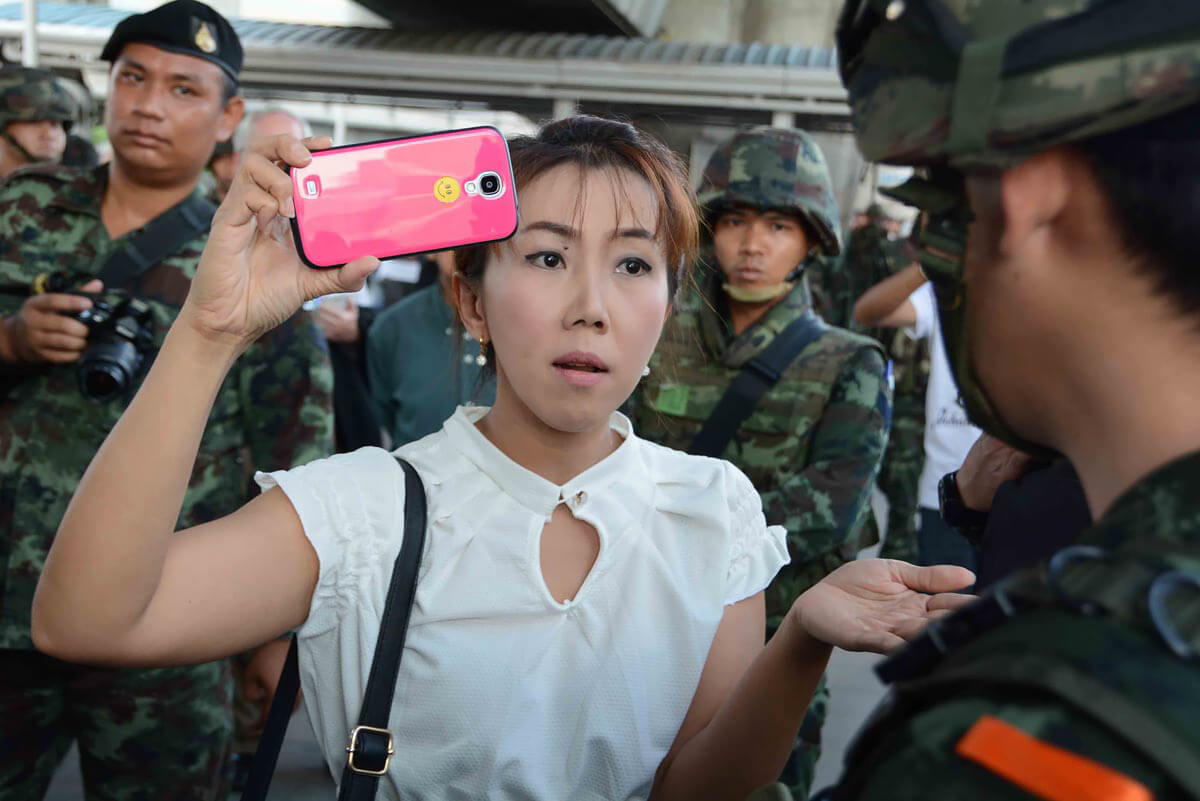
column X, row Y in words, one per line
column 879, row 604
column 250, row 278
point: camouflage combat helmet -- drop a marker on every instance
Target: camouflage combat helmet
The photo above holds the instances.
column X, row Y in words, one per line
column 33, row 95
column 979, row 82
column 952, row 85
column 774, row 168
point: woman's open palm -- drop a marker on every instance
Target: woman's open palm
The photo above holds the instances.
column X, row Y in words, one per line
column 878, row 604
column 250, row 278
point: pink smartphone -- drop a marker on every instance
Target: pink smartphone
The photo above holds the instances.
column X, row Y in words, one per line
column 404, row 196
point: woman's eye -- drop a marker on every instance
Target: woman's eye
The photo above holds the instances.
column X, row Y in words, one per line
column 551, row 261
column 634, row 267
column 184, row 90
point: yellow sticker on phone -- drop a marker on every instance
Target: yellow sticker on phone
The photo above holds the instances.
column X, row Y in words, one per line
column 447, row 189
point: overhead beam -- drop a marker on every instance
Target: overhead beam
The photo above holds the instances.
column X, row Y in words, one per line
column 771, row 89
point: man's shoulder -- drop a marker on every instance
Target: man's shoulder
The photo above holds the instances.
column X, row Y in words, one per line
column 46, row 182
column 840, row 346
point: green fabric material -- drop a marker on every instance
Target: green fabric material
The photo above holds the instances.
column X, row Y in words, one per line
column 975, row 95
column 811, row 448
column 419, row 369
column 1059, row 675
column 273, row 411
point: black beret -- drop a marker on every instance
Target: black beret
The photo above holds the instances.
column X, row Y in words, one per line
column 181, row 26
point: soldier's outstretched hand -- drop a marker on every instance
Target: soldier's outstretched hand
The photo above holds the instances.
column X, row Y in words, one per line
column 250, row 278
column 879, row 604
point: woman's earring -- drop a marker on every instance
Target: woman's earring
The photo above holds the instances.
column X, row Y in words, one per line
column 481, row 359
column 645, row 371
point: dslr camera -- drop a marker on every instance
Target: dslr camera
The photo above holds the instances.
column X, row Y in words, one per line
column 120, row 335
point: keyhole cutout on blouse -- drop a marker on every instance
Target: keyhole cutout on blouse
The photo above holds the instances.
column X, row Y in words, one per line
column 569, row 549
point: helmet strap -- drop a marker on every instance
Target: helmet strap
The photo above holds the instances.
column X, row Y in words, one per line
column 758, row 295
column 767, row 294
column 13, row 143
column 975, row 94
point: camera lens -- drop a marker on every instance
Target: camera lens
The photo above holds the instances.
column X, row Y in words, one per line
column 490, row 184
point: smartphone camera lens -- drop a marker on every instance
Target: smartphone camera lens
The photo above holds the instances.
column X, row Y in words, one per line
column 489, row 184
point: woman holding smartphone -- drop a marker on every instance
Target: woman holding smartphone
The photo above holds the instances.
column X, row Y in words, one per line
column 589, row 615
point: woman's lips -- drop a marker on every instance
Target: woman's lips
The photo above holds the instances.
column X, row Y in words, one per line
column 580, row 378
column 581, row 369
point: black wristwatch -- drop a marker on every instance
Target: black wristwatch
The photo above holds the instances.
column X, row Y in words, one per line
column 969, row 522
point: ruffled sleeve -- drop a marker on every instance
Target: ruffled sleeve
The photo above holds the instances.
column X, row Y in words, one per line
column 349, row 506
column 757, row 551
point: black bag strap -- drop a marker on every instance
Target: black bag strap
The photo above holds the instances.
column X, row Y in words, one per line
column 371, row 746
column 756, row 378
column 161, row 237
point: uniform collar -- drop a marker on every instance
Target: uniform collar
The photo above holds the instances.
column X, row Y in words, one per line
column 1165, row 505
column 82, row 192
column 528, row 488
column 736, row 351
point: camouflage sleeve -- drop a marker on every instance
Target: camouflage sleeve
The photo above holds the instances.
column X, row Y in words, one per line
column 932, row 749
column 285, row 384
column 13, row 218
column 824, row 504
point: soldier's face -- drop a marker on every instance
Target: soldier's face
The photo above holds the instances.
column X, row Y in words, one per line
column 758, row 249
column 166, row 112
column 575, row 302
column 44, row 140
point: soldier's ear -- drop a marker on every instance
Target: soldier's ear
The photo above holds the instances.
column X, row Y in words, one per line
column 231, row 117
column 1034, row 195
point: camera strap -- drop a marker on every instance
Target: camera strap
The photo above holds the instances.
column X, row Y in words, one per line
column 371, row 746
column 161, row 237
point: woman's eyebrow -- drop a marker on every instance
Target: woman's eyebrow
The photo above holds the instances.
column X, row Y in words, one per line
column 634, row 233
column 565, row 231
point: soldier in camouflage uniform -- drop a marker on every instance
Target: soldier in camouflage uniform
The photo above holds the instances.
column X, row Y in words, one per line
column 36, row 114
column 813, row 445
column 1060, row 164
column 871, row 256
column 144, row 734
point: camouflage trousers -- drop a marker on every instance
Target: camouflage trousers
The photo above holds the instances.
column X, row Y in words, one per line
column 152, row 735
column 899, row 479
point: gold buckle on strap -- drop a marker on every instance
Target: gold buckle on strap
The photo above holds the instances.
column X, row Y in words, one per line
column 351, row 750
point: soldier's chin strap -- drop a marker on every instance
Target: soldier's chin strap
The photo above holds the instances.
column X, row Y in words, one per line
column 13, row 143
column 762, row 294
column 766, row 294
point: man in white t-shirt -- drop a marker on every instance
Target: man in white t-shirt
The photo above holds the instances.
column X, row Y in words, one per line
column 906, row 300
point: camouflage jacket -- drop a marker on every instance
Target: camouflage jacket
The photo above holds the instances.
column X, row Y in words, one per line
column 1084, row 671
column 274, row 409
column 813, row 444
column 838, row 282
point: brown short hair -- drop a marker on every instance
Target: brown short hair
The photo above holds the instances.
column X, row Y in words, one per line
column 595, row 143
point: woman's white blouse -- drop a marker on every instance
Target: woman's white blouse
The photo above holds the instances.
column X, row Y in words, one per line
column 503, row 692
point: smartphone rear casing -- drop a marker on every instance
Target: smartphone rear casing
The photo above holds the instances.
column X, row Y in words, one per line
column 403, row 196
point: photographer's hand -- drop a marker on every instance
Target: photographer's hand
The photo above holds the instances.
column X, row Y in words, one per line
column 250, row 278
column 44, row 329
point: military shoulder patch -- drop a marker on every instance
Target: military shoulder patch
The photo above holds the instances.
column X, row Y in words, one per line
column 671, row 399
column 1042, row 769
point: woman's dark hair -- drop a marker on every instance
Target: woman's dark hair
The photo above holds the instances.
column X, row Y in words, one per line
column 595, row 143
column 1150, row 174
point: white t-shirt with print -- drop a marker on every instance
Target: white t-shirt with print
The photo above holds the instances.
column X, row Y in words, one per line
column 948, row 435
column 503, row 692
